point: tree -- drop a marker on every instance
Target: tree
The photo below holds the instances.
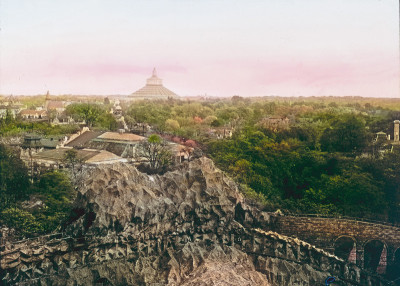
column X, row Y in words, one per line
column 56, row 188
column 171, row 125
column 9, row 117
column 243, row 170
column 71, row 159
column 156, row 152
column 216, row 123
column 209, row 119
column 51, row 114
column 107, row 120
column 14, row 179
column 130, row 121
column 89, row 112
column 345, row 135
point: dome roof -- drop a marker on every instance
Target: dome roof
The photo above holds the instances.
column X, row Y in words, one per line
column 153, row 89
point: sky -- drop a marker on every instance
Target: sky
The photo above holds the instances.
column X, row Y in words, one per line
column 207, row 47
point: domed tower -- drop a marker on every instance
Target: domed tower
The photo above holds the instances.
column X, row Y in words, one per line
column 153, row 89
column 154, row 79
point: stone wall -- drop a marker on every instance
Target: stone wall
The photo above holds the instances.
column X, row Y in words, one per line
column 80, row 260
column 325, row 232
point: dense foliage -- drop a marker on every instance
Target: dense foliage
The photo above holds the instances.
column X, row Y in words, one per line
column 323, row 157
column 14, row 182
column 10, row 126
column 31, row 208
column 326, row 160
column 92, row 114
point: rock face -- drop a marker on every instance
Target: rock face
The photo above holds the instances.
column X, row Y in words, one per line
column 187, row 227
column 123, row 199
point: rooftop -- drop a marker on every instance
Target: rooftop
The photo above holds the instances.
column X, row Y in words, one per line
column 84, row 138
column 153, row 89
column 58, row 154
column 121, row 137
column 53, row 104
column 33, row 112
column 51, row 142
column 86, row 155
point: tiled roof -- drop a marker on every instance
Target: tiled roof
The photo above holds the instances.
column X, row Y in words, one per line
column 103, row 156
column 86, row 155
column 120, row 136
column 83, row 139
column 58, row 154
column 33, row 112
column 55, row 104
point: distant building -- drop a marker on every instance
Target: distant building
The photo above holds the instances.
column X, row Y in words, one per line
column 11, row 105
column 221, row 132
column 153, row 89
column 54, row 159
column 120, row 143
column 37, row 143
column 62, row 118
column 275, row 123
column 34, row 144
column 119, row 137
column 30, row 114
column 54, row 105
column 382, row 136
column 383, row 142
column 81, row 138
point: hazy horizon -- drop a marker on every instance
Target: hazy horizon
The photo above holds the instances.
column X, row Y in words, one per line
column 213, row 48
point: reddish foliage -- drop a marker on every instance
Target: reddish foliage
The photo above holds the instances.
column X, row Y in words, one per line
column 197, row 119
column 190, row 143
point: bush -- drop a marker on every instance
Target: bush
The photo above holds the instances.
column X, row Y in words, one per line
column 21, row 220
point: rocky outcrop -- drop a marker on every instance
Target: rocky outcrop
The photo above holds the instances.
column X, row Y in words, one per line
column 187, row 227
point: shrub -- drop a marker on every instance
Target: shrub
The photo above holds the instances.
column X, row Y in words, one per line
column 21, row 220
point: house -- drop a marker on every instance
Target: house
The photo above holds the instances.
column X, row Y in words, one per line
column 180, row 152
column 34, row 143
column 12, row 106
column 54, row 159
column 275, row 123
column 118, row 137
column 57, row 106
column 82, row 138
column 30, row 114
column 120, row 143
column 62, row 118
column 221, row 132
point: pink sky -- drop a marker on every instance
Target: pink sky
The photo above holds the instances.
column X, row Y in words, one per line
column 218, row 48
